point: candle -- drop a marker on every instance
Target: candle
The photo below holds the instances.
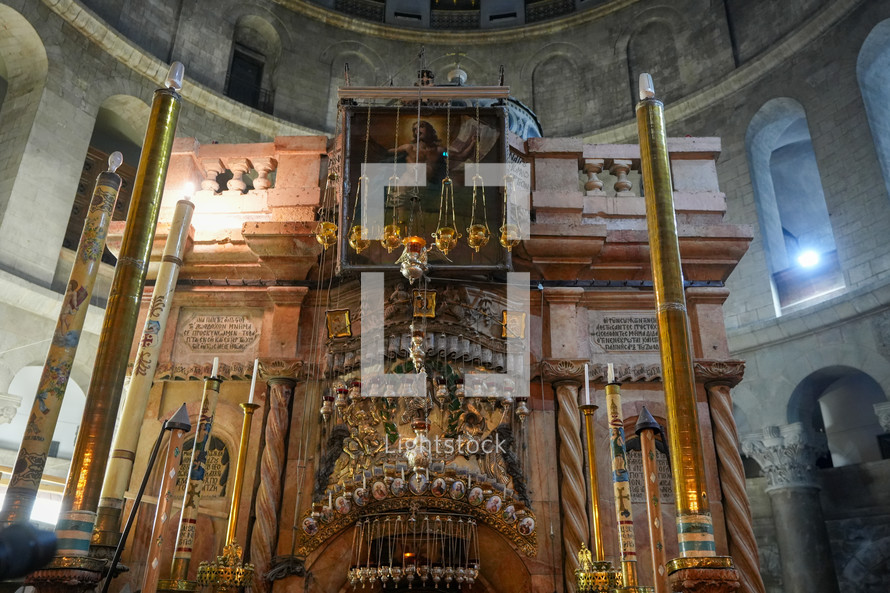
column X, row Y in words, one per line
column 611, row 373
column 256, row 364
column 586, row 384
column 364, row 481
column 469, row 480
column 215, row 366
column 427, row 474
column 403, row 474
column 330, row 500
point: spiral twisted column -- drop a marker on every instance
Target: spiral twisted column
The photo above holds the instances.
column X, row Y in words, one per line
column 281, row 377
column 719, row 378
column 566, row 376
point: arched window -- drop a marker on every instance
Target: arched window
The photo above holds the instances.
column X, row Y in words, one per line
column 255, row 55
column 663, row 64
column 24, row 384
column 120, row 126
column 796, row 230
column 556, row 97
column 839, row 401
column 872, row 69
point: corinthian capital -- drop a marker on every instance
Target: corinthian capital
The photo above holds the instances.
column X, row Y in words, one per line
column 555, row 370
column 882, row 410
column 280, row 368
column 787, row 454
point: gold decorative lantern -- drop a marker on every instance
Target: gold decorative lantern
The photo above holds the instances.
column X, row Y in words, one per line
column 446, row 234
column 478, row 232
column 325, row 230
column 358, row 238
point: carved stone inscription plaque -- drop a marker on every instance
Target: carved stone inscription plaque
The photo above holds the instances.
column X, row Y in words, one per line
column 635, row 469
column 624, row 331
column 214, row 471
column 217, row 332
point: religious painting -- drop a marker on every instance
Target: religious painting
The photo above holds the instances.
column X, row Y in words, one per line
column 361, row 496
column 379, row 490
column 425, row 303
column 476, row 496
column 398, row 487
column 441, row 168
column 343, row 505
column 418, row 483
column 458, row 489
column 338, row 324
column 513, row 324
column 526, row 526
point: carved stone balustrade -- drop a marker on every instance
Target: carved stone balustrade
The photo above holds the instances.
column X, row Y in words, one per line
column 263, row 216
column 589, row 227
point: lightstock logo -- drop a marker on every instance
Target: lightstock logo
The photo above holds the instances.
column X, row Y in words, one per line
column 515, row 178
column 446, row 447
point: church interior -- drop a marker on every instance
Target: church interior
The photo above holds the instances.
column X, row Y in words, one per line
column 335, row 295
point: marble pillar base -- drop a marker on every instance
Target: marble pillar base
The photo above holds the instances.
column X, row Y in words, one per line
column 64, row 574
column 705, row 580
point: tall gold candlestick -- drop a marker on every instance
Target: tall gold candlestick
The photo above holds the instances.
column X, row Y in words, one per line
column 120, row 466
column 25, row 479
column 185, row 538
column 646, row 428
column 228, row 572
column 695, row 531
column 596, row 530
column 162, row 512
column 249, row 409
column 594, row 573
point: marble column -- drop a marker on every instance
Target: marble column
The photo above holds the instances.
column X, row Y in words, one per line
column 566, row 349
column 787, row 454
column 719, row 377
column 281, row 377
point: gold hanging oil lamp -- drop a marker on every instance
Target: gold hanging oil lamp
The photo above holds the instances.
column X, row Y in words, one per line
column 358, row 234
column 392, row 233
column 509, row 237
column 325, row 230
column 478, row 232
column 446, row 234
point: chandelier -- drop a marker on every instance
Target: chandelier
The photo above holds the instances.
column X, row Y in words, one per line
column 429, row 549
